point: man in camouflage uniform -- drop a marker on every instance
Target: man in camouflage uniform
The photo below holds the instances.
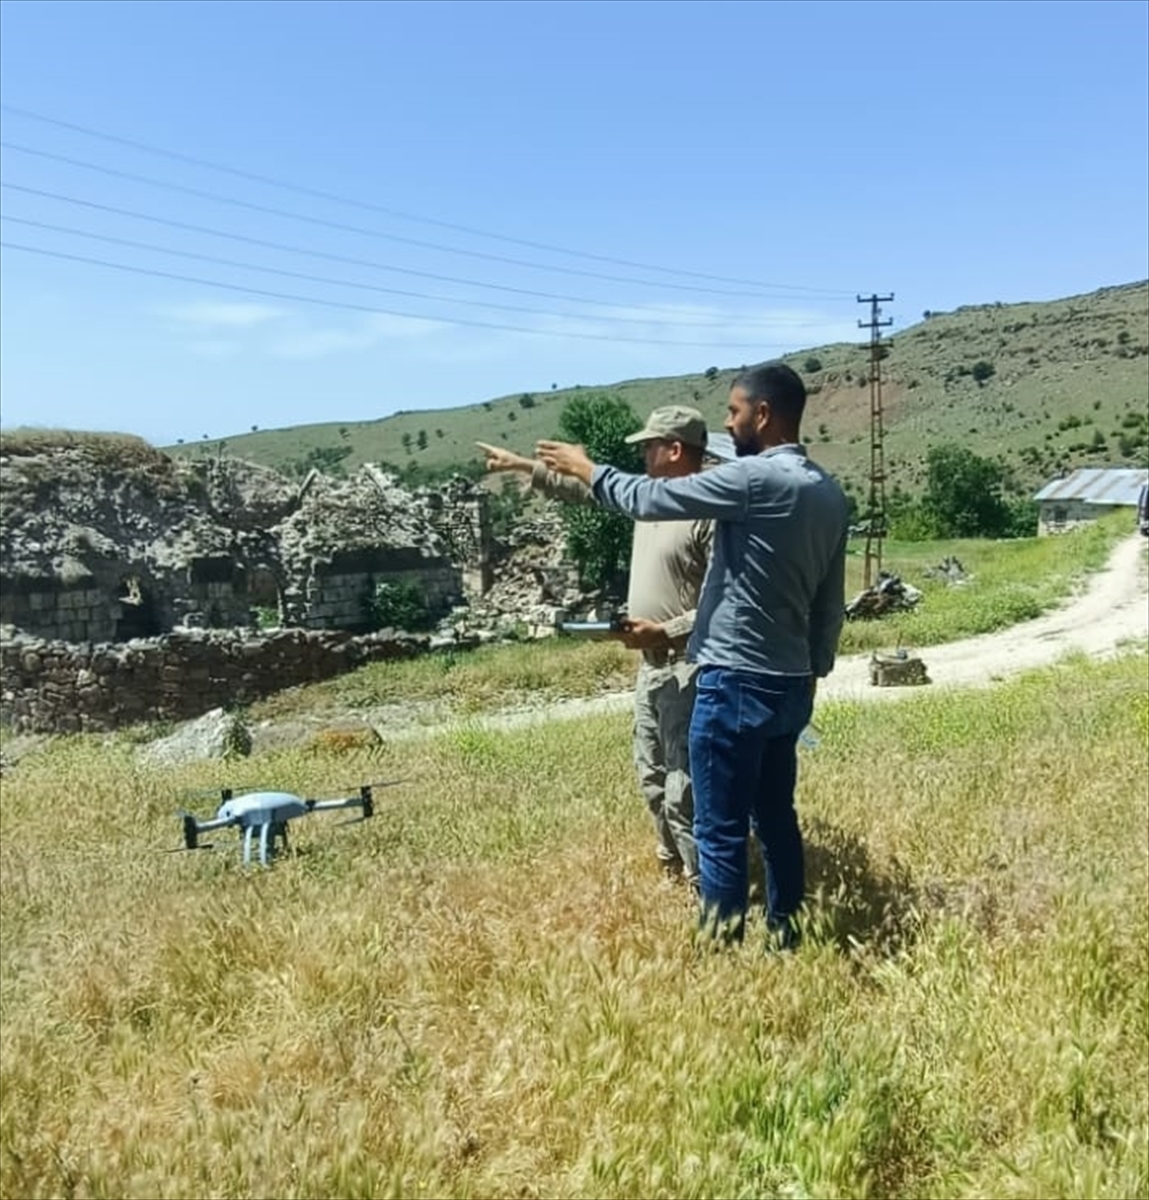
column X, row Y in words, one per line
column 667, row 566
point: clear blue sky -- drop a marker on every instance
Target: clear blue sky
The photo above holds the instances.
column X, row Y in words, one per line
column 687, row 184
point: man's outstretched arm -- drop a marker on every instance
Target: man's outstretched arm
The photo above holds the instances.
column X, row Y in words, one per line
column 721, row 493
column 549, row 483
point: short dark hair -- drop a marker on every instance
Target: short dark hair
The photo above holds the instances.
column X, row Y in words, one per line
column 781, row 386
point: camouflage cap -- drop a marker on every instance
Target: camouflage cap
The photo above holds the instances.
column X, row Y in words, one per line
column 674, row 422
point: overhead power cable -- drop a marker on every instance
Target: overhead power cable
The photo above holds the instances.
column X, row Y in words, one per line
column 347, row 283
column 375, row 311
column 370, row 206
column 360, row 262
column 267, row 209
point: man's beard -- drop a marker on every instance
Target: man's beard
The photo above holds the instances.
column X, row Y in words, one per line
column 742, row 447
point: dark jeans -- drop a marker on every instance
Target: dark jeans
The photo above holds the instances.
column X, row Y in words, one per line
column 744, row 764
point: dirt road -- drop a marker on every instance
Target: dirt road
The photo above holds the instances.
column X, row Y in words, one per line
column 1111, row 610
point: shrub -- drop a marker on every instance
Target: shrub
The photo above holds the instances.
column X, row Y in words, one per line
column 398, row 604
column 982, row 371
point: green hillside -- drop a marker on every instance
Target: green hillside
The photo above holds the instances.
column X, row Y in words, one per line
column 1042, row 386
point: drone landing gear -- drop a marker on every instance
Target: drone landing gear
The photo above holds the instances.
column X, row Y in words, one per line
column 268, row 833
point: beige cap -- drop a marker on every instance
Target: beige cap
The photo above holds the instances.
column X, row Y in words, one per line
column 674, row 422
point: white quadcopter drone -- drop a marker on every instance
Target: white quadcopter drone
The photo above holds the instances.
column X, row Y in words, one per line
column 263, row 816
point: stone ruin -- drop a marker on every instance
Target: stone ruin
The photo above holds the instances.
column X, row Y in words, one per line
column 127, row 574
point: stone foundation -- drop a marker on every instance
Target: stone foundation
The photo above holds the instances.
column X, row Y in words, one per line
column 62, row 687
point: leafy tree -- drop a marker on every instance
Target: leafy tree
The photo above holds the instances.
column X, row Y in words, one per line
column 963, row 495
column 526, row 400
column 982, row 370
column 421, row 440
column 812, row 364
column 599, row 542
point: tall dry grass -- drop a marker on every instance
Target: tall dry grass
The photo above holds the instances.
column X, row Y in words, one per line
column 486, row 990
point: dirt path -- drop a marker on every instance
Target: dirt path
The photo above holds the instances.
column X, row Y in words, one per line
column 1112, row 609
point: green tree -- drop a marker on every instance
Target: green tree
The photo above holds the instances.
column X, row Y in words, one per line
column 599, row 542
column 982, row 371
column 963, row 495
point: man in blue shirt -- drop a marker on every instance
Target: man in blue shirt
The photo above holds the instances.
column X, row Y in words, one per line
column 767, row 627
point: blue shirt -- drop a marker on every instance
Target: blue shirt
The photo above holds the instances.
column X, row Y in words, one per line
column 773, row 600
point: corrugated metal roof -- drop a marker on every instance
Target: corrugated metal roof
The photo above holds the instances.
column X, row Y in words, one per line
column 1097, row 485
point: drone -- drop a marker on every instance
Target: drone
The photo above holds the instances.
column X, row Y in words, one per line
column 263, row 816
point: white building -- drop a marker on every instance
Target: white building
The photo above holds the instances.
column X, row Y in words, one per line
column 1077, row 499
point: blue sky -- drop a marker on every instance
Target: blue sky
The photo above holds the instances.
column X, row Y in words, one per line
column 432, row 204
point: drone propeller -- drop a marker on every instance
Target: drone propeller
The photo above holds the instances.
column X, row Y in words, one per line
column 363, row 789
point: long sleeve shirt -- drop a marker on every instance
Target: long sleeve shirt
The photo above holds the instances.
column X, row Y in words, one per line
column 773, row 600
column 668, row 560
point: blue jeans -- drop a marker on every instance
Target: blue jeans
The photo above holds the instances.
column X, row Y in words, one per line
column 744, row 764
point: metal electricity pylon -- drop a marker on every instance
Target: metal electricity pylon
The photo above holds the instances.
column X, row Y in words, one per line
column 875, row 517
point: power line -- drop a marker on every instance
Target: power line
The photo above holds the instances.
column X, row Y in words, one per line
column 379, row 208
column 359, row 262
column 215, row 197
column 347, row 283
column 364, row 308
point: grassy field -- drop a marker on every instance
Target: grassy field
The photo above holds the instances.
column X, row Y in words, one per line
column 1068, row 389
column 1009, row 582
column 488, row 991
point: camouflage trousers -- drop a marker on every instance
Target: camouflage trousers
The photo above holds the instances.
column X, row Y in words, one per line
column 663, row 700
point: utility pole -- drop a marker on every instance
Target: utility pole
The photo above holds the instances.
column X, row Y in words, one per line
column 876, row 508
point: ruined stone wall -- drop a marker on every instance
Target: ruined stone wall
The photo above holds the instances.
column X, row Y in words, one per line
column 51, row 609
column 49, row 686
column 120, row 601
column 336, row 598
